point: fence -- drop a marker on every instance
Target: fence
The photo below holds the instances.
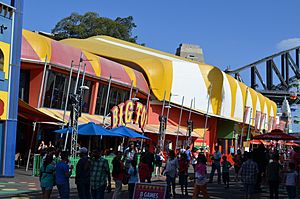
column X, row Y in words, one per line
column 37, row 163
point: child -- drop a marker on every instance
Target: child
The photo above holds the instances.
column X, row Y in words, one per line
column 225, row 171
column 291, row 181
column 200, row 184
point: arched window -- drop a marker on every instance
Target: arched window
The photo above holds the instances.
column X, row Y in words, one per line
column 1, row 60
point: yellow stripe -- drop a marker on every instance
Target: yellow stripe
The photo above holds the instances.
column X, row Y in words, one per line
column 131, row 74
column 6, row 53
column 40, row 44
column 211, row 75
column 233, row 87
column 253, row 95
column 95, row 62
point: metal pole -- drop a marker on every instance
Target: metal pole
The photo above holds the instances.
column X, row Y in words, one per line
column 131, row 87
column 179, row 122
column 29, row 152
column 78, row 73
column 249, row 124
column 190, row 114
column 42, row 84
column 242, row 132
column 67, row 97
column 147, row 108
column 163, row 106
column 206, row 116
column 161, row 134
column 81, row 90
column 107, row 98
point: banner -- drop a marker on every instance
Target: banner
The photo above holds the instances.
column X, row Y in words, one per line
column 149, row 191
column 246, row 115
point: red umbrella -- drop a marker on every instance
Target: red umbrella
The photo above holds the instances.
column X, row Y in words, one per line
column 255, row 142
column 291, row 144
column 275, row 134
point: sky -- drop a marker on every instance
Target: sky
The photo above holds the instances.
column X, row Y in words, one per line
column 231, row 33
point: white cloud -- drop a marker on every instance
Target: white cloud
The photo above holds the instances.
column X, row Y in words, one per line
column 288, row 43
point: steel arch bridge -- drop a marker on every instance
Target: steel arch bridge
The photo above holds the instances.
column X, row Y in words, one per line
column 277, row 75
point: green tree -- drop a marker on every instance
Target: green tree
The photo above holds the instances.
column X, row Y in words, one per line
column 91, row 24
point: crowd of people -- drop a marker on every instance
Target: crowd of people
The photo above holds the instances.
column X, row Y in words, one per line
column 93, row 173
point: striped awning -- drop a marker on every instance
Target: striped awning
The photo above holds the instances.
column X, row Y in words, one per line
column 224, row 96
column 35, row 48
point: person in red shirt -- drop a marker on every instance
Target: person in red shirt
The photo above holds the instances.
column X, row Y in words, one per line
column 144, row 170
column 183, row 172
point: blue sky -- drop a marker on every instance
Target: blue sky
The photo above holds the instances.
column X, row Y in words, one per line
column 231, row 33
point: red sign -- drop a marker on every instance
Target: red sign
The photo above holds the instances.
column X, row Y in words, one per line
column 149, row 191
column 127, row 112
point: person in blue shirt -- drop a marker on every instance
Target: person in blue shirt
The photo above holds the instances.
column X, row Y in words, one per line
column 133, row 172
column 216, row 165
column 63, row 173
column 188, row 153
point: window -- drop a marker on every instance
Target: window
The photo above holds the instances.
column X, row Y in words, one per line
column 116, row 97
column 24, row 85
column 56, row 91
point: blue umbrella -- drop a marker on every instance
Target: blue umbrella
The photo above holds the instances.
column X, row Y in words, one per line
column 64, row 130
column 124, row 131
column 89, row 129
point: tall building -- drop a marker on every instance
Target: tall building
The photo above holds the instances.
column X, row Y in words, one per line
column 190, row 51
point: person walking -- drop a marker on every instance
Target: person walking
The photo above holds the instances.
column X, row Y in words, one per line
column 99, row 175
column 200, row 178
column 291, row 179
column 225, row 171
column 82, row 178
column 183, row 173
column 248, row 172
column 273, row 176
column 47, row 177
column 63, row 172
column 133, row 173
column 149, row 156
column 170, row 171
column 237, row 159
column 216, row 165
column 118, row 175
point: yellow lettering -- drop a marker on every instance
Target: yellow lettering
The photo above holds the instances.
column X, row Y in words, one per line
column 121, row 113
column 128, row 111
column 138, row 112
column 143, row 118
column 114, row 116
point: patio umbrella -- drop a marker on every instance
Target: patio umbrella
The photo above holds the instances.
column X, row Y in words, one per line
column 89, row 129
column 291, row 144
column 255, row 142
column 124, row 131
column 275, row 134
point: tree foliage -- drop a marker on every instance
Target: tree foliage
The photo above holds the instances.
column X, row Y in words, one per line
column 91, row 24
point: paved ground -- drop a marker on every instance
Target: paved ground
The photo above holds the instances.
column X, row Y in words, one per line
column 26, row 186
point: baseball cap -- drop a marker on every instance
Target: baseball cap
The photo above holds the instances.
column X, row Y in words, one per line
column 83, row 150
